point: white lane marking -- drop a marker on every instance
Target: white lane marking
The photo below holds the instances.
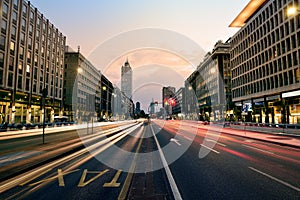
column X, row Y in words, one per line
column 172, row 182
column 190, row 139
column 210, row 149
column 257, row 149
column 276, row 179
column 219, row 143
column 176, row 141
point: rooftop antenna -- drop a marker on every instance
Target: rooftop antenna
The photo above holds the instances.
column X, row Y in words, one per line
column 78, row 47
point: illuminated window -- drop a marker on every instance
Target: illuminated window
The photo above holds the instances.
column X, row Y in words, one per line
column 12, row 47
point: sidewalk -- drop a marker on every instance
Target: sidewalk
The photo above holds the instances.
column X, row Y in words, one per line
column 5, row 135
column 266, row 137
column 272, row 137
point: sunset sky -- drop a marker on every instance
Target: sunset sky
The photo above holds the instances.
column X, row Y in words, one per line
column 164, row 40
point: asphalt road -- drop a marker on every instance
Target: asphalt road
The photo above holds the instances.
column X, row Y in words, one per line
column 165, row 160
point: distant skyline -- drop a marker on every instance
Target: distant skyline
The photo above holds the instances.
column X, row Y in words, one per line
column 92, row 24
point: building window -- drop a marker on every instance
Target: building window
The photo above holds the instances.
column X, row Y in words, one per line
column 22, row 38
column 13, row 32
column 35, row 72
column 296, row 72
column 14, row 17
column 2, row 42
column 24, row 10
column 3, row 26
column 27, row 70
column 31, row 15
column 12, row 47
column 29, row 57
column 16, row 3
column 23, row 24
column 44, row 27
column 21, row 52
column 1, row 77
column 4, row 9
column 29, row 43
column 1, row 60
column 27, row 85
column 20, row 82
column 37, row 35
column 10, row 79
column 30, row 29
column 35, row 60
column 20, row 67
column 34, row 86
column 11, row 64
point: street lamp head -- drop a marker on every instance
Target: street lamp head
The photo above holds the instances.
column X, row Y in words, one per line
column 79, row 70
column 292, row 11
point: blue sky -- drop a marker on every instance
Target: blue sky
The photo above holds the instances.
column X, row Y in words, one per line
column 93, row 23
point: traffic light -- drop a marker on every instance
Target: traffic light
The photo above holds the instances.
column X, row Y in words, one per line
column 172, row 102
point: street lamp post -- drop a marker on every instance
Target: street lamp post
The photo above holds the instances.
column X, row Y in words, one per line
column 44, row 92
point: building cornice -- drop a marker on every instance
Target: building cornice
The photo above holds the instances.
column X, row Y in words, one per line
column 247, row 12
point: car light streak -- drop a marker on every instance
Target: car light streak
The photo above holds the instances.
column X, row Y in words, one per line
column 23, row 178
column 241, row 155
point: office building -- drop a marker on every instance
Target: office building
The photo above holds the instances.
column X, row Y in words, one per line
column 265, row 62
column 83, row 91
column 31, row 59
column 126, row 79
column 208, row 88
column 123, row 106
column 106, row 104
column 179, row 109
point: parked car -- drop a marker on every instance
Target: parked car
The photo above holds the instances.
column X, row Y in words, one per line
column 15, row 126
column 3, row 127
column 30, row 125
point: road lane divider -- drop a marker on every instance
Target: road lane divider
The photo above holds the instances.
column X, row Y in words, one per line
column 255, row 148
column 211, row 149
column 174, row 188
column 275, row 179
column 216, row 142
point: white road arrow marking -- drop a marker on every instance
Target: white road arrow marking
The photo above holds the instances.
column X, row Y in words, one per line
column 176, row 141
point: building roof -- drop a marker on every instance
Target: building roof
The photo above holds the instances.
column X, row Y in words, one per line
column 247, row 12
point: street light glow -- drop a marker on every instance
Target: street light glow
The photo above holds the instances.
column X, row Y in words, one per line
column 79, row 70
column 291, row 11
